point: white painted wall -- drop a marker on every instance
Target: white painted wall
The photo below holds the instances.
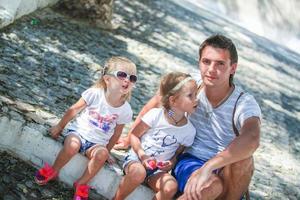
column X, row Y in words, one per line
column 10, row 10
column 29, row 143
column 277, row 20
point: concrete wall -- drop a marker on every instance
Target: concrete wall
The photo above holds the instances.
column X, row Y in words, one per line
column 10, row 10
column 23, row 130
column 277, row 20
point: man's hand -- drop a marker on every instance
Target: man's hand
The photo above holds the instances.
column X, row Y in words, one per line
column 196, row 183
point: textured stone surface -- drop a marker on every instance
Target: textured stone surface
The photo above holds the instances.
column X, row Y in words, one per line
column 16, row 182
column 99, row 12
column 45, row 66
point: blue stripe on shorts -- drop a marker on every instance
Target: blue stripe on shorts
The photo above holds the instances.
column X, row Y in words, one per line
column 134, row 158
column 185, row 166
column 85, row 144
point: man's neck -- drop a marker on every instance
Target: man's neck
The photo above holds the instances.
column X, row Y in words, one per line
column 216, row 96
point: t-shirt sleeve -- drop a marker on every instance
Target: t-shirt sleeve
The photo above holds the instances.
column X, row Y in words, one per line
column 150, row 118
column 126, row 116
column 197, row 77
column 190, row 136
column 89, row 95
column 248, row 107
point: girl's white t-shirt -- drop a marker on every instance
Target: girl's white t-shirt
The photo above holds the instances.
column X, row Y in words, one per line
column 163, row 139
column 97, row 122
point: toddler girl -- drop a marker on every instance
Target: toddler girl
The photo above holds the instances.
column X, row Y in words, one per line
column 105, row 111
column 159, row 137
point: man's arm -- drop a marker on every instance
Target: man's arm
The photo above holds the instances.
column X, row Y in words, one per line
column 240, row 148
column 117, row 133
column 154, row 102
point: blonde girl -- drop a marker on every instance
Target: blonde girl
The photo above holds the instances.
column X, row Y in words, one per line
column 159, row 137
column 104, row 112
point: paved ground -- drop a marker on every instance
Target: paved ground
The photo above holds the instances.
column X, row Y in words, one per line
column 48, row 59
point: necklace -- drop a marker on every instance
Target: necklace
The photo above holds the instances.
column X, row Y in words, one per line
column 171, row 114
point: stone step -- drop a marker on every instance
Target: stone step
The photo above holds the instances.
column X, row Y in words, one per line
column 29, row 141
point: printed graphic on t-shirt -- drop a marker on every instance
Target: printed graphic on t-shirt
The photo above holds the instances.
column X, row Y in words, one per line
column 167, row 140
column 102, row 122
column 152, row 152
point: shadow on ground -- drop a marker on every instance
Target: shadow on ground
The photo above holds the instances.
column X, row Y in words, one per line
column 49, row 64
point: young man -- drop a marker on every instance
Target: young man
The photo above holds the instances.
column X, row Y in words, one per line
column 219, row 164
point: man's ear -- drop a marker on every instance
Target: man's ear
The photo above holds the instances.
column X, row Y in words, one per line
column 233, row 68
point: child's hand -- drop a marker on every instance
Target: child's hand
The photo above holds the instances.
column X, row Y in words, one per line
column 150, row 163
column 111, row 160
column 165, row 165
column 55, row 131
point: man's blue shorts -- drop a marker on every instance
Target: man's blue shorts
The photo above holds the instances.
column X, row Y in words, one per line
column 186, row 165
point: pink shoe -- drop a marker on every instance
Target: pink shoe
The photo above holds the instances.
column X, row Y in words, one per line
column 81, row 192
column 45, row 174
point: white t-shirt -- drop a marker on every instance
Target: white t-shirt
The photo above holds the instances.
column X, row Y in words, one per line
column 214, row 125
column 163, row 139
column 97, row 122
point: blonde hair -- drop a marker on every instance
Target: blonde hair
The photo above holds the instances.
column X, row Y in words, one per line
column 112, row 64
column 167, row 85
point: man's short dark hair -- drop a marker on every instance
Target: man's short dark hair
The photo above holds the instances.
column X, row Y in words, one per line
column 222, row 42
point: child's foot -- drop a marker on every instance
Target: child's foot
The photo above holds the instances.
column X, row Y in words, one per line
column 45, row 174
column 81, row 192
column 122, row 144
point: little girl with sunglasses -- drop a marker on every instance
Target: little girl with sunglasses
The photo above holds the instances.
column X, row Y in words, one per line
column 104, row 112
column 159, row 137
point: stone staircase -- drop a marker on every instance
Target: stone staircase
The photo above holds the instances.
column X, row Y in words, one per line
column 24, row 131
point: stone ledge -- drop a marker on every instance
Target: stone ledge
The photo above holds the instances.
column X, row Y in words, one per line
column 10, row 10
column 26, row 136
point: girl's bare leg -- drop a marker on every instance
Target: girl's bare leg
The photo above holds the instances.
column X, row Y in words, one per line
column 97, row 156
column 164, row 185
column 71, row 147
column 135, row 175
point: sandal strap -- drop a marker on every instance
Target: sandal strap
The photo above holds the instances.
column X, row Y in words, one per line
column 82, row 190
column 47, row 171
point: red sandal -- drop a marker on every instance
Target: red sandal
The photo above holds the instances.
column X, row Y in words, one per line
column 45, row 174
column 81, row 192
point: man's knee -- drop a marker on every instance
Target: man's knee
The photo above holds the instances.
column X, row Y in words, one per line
column 243, row 167
column 212, row 189
column 236, row 178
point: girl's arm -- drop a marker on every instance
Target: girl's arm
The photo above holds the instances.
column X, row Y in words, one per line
column 68, row 116
column 137, row 132
column 171, row 163
column 115, row 136
column 154, row 102
column 179, row 150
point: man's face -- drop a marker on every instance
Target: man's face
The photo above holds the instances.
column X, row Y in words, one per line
column 215, row 67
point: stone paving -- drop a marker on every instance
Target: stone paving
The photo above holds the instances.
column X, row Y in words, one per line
column 48, row 63
column 16, row 183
